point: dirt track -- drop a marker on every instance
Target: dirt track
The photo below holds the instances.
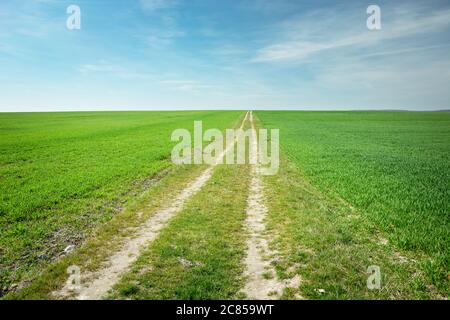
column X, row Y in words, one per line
column 262, row 282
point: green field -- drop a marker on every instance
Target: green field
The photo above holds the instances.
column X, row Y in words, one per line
column 62, row 174
column 393, row 167
column 207, row 236
column 354, row 189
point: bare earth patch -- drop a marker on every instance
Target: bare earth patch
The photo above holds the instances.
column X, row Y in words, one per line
column 262, row 282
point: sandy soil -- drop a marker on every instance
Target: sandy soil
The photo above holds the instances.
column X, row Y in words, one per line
column 262, row 282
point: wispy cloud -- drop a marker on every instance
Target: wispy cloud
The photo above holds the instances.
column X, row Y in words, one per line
column 164, row 34
column 115, row 70
column 203, row 53
column 192, row 86
column 297, row 45
column 407, row 50
column 29, row 21
column 153, row 5
column 270, row 6
column 162, row 29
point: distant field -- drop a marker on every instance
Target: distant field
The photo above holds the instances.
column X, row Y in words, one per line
column 61, row 174
column 393, row 167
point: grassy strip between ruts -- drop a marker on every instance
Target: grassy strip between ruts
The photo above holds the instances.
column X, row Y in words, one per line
column 199, row 254
column 330, row 245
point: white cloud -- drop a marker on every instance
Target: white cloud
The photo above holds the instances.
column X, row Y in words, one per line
column 298, row 44
column 153, row 5
column 103, row 67
column 192, row 86
column 270, row 6
column 163, row 32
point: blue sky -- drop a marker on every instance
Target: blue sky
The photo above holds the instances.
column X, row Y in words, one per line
column 162, row 54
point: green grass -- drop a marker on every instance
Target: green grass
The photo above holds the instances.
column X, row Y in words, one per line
column 107, row 237
column 63, row 174
column 330, row 245
column 392, row 167
column 199, row 254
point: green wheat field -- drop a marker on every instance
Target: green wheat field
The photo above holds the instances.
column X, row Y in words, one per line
column 354, row 189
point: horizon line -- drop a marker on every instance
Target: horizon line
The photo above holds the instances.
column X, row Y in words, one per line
column 168, row 109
